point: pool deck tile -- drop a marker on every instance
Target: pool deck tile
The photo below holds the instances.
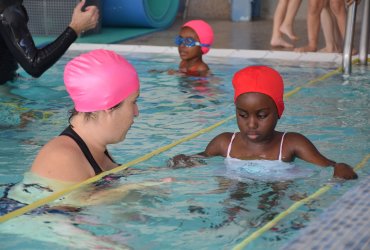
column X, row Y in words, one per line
column 344, row 225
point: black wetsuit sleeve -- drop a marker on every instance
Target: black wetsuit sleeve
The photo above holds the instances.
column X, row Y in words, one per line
column 15, row 33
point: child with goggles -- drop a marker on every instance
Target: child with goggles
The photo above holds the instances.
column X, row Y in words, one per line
column 194, row 40
column 188, row 42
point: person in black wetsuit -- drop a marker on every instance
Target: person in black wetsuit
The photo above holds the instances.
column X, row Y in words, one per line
column 18, row 47
column 104, row 88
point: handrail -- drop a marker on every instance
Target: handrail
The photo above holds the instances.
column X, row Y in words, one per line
column 348, row 39
column 364, row 39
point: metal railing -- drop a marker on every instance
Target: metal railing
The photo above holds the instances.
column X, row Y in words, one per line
column 364, row 40
column 348, row 40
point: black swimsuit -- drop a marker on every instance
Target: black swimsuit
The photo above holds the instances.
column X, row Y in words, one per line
column 17, row 45
column 85, row 150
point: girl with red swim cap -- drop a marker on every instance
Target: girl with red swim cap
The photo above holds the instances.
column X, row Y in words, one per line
column 259, row 105
column 194, row 40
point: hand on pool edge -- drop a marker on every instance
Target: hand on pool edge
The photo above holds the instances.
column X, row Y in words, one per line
column 344, row 171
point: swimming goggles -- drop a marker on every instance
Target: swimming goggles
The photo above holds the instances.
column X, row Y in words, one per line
column 189, row 42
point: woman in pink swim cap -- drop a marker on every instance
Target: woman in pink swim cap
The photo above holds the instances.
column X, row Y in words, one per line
column 194, row 40
column 104, row 88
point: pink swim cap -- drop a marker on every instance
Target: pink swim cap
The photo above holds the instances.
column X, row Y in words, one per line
column 99, row 80
column 204, row 32
column 260, row 79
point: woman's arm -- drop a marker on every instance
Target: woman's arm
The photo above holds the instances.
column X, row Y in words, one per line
column 18, row 39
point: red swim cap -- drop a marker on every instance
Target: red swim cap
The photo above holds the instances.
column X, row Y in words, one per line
column 260, row 79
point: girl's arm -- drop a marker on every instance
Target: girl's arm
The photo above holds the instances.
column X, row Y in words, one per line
column 301, row 147
column 216, row 147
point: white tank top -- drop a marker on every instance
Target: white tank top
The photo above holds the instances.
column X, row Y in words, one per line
column 233, row 137
column 267, row 170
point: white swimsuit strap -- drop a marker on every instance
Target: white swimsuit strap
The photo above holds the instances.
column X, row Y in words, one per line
column 281, row 146
column 229, row 147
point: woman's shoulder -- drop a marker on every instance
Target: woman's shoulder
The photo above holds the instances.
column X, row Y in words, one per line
column 61, row 145
column 60, row 158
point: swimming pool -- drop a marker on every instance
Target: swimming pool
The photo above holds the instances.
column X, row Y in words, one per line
column 204, row 207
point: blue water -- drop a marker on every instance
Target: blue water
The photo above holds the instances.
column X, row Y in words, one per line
column 203, row 208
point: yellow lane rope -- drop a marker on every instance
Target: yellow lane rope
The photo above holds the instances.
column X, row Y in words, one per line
column 65, row 191
column 291, row 209
column 71, row 188
column 44, row 114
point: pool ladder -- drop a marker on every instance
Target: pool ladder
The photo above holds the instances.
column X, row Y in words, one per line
column 348, row 40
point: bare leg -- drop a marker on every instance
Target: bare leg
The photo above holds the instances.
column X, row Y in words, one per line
column 338, row 7
column 313, row 25
column 339, row 10
column 328, row 28
column 277, row 37
column 287, row 25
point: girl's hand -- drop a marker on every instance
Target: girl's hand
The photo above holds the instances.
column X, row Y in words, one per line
column 344, row 171
column 185, row 161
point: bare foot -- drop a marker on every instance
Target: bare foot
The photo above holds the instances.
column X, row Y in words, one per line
column 305, row 49
column 354, row 52
column 289, row 33
column 280, row 42
column 329, row 50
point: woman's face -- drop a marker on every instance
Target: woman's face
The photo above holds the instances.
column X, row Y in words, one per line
column 123, row 116
column 187, row 53
column 256, row 115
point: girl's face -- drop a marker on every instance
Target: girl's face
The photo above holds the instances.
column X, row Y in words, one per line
column 256, row 115
column 187, row 53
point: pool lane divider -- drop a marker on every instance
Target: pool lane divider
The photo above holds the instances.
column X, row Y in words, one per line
column 291, row 209
column 67, row 190
column 71, row 188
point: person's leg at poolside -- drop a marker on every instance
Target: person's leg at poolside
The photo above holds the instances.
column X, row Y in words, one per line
column 288, row 23
column 313, row 25
column 329, row 29
column 338, row 8
column 277, row 39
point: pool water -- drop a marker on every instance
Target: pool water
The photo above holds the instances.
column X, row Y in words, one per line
column 203, row 207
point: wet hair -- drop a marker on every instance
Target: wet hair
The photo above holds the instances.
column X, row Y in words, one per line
column 88, row 115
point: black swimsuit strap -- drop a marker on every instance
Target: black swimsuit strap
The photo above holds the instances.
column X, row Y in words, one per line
column 85, row 150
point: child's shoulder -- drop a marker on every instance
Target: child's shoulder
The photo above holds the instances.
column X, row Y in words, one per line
column 294, row 141
column 225, row 136
column 294, row 136
column 219, row 144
